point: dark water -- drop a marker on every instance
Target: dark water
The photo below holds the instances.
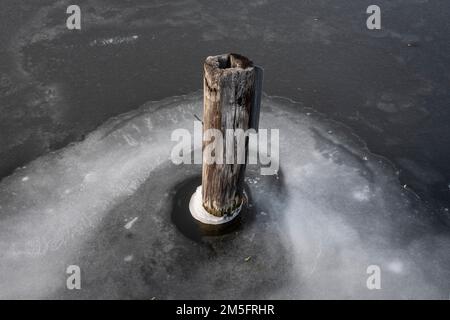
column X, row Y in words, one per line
column 197, row 231
column 190, row 227
column 390, row 86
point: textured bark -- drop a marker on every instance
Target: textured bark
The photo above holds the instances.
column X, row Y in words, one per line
column 229, row 93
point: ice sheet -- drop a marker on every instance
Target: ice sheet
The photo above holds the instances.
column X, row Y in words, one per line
column 340, row 209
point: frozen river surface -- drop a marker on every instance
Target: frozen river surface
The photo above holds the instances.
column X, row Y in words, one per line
column 107, row 203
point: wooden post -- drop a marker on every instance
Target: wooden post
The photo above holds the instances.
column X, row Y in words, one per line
column 232, row 89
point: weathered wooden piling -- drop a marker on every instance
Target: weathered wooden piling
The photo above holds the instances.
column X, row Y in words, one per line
column 232, row 91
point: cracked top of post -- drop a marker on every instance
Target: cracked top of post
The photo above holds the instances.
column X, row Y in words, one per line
column 222, row 65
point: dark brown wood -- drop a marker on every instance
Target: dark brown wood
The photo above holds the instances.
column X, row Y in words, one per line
column 229, row 95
